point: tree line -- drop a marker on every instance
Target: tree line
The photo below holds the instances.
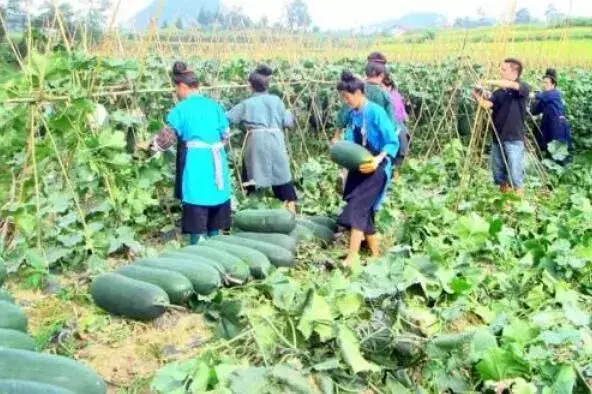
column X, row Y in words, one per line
column 296, row 17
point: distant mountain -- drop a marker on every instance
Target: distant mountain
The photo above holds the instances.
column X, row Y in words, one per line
column 172, row 11
column 412, row 21
column 422, row 20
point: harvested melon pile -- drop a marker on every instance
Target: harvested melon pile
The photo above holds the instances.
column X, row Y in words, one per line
column 24, row 370
column 268, row 238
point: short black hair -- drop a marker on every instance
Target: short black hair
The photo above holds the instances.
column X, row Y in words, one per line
column 551, row 73
column 259, row 79
column 349, row 83
column 182, row 74
column 516, row 65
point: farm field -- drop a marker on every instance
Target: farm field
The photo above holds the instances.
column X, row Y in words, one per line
column 536, row 46
column 476, row 292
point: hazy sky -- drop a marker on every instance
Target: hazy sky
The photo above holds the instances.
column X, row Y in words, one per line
column 349, row 13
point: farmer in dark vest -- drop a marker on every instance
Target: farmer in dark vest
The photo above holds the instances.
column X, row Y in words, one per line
column 199, row 127
column 554, row 125
column 508, row 104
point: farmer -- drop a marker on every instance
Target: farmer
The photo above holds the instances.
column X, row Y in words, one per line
column 400, row 118
column 266, row 161
column 373, row 89
column 367, row 124
column 508, row 105
column 202, row 183
column 554, row 125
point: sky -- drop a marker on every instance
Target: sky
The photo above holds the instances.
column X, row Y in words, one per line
column 337, row 14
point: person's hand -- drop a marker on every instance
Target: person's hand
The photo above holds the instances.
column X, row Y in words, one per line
column 335, row 140
column 226, row 137
column 143, row 145
column 370, row 166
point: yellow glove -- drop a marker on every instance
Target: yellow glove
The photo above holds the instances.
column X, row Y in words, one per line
column 369, row 167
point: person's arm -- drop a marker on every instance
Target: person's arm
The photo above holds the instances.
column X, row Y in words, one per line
column 236, row 115
column 483, row 102
column 223, row 125
column 390, row 138
column 538, row 105
column 288, row 118
column 167, row 136
column 522, row 88
column 341, row 123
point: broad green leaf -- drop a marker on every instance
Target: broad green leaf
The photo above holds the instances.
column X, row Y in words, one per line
column 483, row 340
column 327, row 365
column 349, row 304
column 172, row 377
column 485, row 313
column 577, row 316
column 519, row 331
column 521, row 386
column 316, row 312
column 500, row 364
column 293, row 379
column 54, row 254
column 71, row 240
column 252, row 380
column 26, row 223
column 201, row 378
column 565, row 380
column 350, row 350
column 112, row 139
column 561, row 336
column 326, row 384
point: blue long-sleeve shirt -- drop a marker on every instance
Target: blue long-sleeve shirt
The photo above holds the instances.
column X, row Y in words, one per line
column 554, row 125
column 381, row 136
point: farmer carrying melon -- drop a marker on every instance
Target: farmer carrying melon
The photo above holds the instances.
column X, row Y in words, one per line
column 266, row 161
column 374, row 91
column 368, row 125
column 200, row 129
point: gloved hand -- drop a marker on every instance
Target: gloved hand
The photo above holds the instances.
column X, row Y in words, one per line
column 371, row 166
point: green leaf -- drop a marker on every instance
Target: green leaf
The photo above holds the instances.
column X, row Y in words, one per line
column 577, row 316
column 565, row 380
column 561, row 336
column 349, row 304
column 172, row 377
column 326, row 365
column 316, row 312
column 201, row 378
column 483, row 340
column 71, row 240
column 520, row 332
column 26, row 223
column 350, row 350
column 291, row 378
column 252, row 380
column 500, row 364
column 112, row 139
column 521, row 386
